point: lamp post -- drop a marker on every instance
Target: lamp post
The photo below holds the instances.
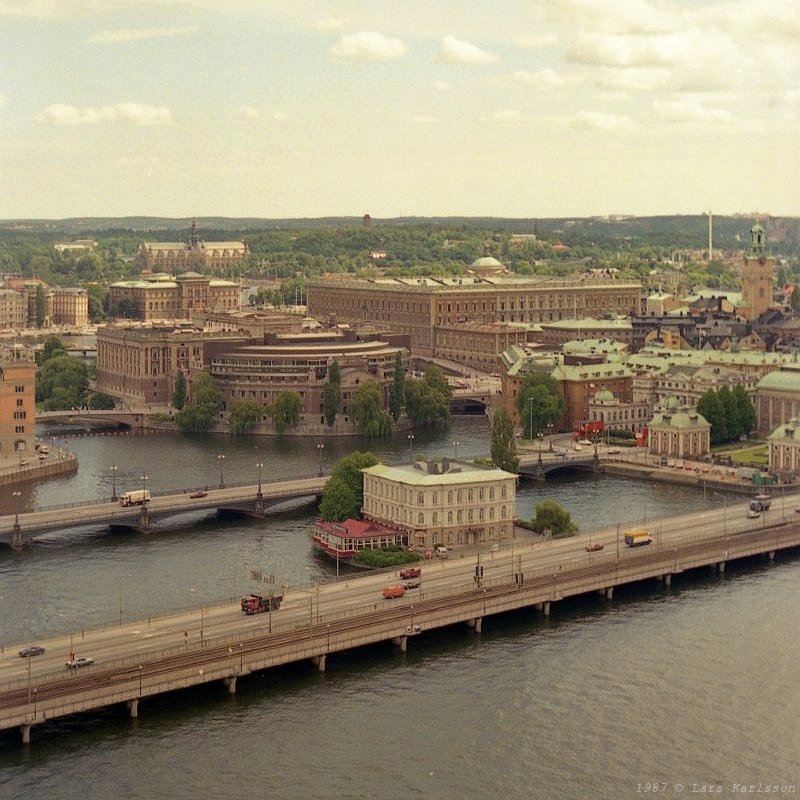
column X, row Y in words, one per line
column 411, row 445
column 16, row 496
column 140, row 680
column 221, row 459
column 259, row 465
column 114, row 469
column 540, row 437
column 320, row 449
column 550, row 437
column 456, row 443
column 530, row 402
column 143, row 479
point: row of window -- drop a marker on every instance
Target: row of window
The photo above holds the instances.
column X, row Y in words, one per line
column 393, row 491
column 468, row 515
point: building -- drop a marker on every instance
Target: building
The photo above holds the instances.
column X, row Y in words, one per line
column 163, row 297
column 175, row 257
column 419, row 306
column 478, row 345
column 778, row 398
column 17, row 403
column 442, row 503
column 13, row 310
column 259, row 371
column 345, row 539
column 616, row 328
column 617, row 415
column 68, row 307
column 678, row 432
column 757, row 276
column 784, row 450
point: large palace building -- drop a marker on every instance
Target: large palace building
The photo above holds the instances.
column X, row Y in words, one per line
column 420, row 306
column 174, row 257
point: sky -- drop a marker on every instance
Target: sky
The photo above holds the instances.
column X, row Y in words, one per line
column 277, row 109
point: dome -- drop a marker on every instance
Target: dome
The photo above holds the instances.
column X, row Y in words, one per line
column 604, row 396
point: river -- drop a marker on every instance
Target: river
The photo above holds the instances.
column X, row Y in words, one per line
column 693, row 684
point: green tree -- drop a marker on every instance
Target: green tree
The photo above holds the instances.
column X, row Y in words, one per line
column 428, row 400
column 179, row 392
column 539, row 403
column 710, row 407
column 397, row 388
column 206, row 401
column 794, row 298
column 503, row 448
column 100, row 400
column 731, row 407
column 747, row 414
column 61, row 383
column 343, row 495
column 40, row 305
column 53, row 346
column 285, row 411
column 365, row 407
column 244, row 416
column 551, row 516
column 332, row 393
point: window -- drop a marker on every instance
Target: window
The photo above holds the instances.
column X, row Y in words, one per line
column 420, row 499
column 420, row 518
column 19, row 389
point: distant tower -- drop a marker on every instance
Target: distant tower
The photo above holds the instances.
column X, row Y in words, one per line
column 710, row 236
column 757, row 277
column 366, row 220
column 194, row 237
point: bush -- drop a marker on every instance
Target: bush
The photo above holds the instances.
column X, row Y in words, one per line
column 385, row 557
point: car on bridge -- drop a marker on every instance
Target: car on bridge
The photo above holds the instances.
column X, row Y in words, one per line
column 82, row 661
column 31, row 650
column 411, row 585
column 753, row 514
column 196, row 495
column 593, row 547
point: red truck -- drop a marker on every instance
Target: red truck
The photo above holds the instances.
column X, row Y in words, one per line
column 256, row 603
column 410, row 572
column 391, row 592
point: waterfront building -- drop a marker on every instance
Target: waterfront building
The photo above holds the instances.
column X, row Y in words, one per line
column 478, row 345
column 679, row 432
column 778, row 398
column 757, row 276
column 784, row 450
column 259, row 371
column 617, row 415
column 164, row 297
column 62, row 306
column 419, row 306
column 13, row 310
column 68, row 307
column 175, row 257
column 17, row 402
column 344, row 539
column 442, row 502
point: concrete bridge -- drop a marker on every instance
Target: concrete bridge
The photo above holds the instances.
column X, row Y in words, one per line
column 141, row 659
column 132, row 418
column 250, row 500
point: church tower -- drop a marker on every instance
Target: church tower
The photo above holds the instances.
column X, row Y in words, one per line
column 757, row 277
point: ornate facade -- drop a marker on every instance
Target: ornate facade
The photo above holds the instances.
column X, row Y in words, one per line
column 778, row 398
column 757, row 276
column 442, row 503
column 17, row 402
column 677, row 432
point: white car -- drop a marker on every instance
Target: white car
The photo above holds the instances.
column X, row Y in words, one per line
column 83, row 661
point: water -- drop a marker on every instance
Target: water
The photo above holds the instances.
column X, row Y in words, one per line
column 692, row 684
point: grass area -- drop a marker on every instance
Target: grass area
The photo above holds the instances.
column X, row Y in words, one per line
column 756, row 455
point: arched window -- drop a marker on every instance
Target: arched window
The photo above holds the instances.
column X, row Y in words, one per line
column 420, row 519
column 449, row 497
column 503, row 494
column 420, row 499
column 458, row 515
column 450, row 517
column 470, row 515
column 480, row 514
column 480, row 493
column 469, row 495
column 435, row 518
column 491, row 492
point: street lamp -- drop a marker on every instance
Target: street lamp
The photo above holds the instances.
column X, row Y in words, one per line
column 16, row 496
column 221, row 459
column 540, row 437
column 550, row 436
column 411, row 445
column 259, row 465
column 140, row 680
column 530, row 401
column 320, row 448
column 143, row 479
column 114, row 469
column 455, row 450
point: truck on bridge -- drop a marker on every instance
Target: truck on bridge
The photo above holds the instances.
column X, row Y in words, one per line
column 637, row 538
column 137, row 497
column 256, row 603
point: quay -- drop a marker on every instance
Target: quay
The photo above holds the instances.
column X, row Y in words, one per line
column 221, row 645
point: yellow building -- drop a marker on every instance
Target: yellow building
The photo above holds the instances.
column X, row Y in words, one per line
column 17, row 402
column 442, row 503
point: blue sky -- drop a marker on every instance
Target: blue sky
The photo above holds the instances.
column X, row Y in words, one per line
column 304, row 109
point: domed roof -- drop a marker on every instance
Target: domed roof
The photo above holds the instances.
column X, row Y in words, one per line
column 486, row 261
column 604, row 396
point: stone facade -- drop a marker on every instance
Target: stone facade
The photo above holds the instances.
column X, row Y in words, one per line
column 778, row 398
column 784, row 450
column 476, row 345
column 69, row 307
column 617, row 415
column 446, row 503
column 13, row 310
column 757, row 276
column 17, row 403
column 677, row 432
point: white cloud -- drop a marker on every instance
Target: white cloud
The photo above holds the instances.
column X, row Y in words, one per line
column 687, row 110
column 637, row 79
column 137, row 34
column 419, row 119
column 368, row 45
column 621, row 16
column 247, row 112
column 507, row 115
column 442, row 86
column 38, row 9
column 3, row 100
column 329, row 24
column 599, row 120
column 136, row 113
column 543, row 79
column 537, row 41
column 280, row 116
column 456, row 51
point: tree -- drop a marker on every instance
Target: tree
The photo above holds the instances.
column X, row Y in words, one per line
column 731, row 408
column 100, row 400
column 179, row 393
column 40, row 305
column 343, row 495
column 747, row 414
column 332, row 393
column 286, row 410
column 61, row 383
column 53, row 346
column 397, row 388
column 428, row 400
column 205, row 403
column 539, row 403
column 551, row 516
column 503, row 449
column 711, row 408
column 365, row 407
column 244, row 416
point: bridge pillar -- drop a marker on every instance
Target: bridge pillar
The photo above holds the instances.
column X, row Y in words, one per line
column 144, row 519
column 401, row 642
column 609, row 592
column 258, row 506
column 668, row 579
column 546, row 608
column 771, row 555
column 539, row 472
column 25, row 730
column 319, row 662
column 721, row 567
column 133, row 707
column 230, row 684
column 16, row 537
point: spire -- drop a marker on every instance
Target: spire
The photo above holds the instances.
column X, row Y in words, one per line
column 194, row 239
column 758, row 241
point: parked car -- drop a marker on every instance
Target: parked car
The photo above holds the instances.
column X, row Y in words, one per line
column 31, row 650
column 82, row 661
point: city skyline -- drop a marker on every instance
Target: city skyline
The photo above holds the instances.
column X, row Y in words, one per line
column 569, row 108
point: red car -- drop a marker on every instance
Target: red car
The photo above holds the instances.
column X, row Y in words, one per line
column 410, row 572
column 594, row 546
column 195, row 495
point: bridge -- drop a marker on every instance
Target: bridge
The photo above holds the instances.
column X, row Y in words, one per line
column 141, row 659
column 251, row 500
column 131, row 417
